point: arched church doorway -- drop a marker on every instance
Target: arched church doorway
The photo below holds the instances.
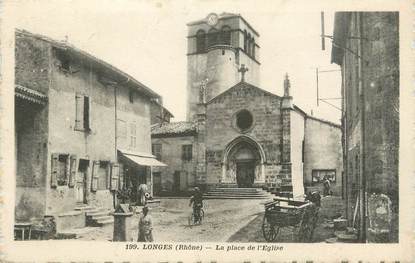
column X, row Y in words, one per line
column 243, row 163
column 245, row 159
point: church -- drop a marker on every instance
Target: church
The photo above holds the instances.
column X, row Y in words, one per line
column 237, row 134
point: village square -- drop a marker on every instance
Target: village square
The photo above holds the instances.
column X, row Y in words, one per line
column 99, row 155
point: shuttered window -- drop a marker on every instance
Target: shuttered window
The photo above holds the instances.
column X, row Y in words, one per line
column 73, row 170
column 103, row 175
column 187, row 152
column 133, row 135
column 55, row 171
column 94, row 182
column 156, row 150
column 82, row 116
column 115, row 173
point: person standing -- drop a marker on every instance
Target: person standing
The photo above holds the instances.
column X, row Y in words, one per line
column 326, row 185
column 142, row 190
column 197, row 200
column 145, row 227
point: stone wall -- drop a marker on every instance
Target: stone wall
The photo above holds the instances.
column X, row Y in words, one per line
column 98, row 144
column 31, row 129
column 266, row 128
column 323, row 151
column 42, row 132
column 171, row 154
column 297, row 137
column 376, row 136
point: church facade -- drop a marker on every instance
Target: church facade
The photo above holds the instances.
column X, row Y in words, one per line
column 240, row 134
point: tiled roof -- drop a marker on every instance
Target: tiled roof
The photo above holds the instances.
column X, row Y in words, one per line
column 30, row 95
column 173, row 128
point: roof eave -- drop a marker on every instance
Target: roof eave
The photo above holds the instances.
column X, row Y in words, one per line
column 70, row 48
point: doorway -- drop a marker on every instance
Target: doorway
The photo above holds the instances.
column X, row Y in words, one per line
column 176, row 181
column 245, row 173
column 157, row 183
column 80, row 184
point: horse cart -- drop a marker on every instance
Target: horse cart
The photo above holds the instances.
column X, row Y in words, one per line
column 300, row 216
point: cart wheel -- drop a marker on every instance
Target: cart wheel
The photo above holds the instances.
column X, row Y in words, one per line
column 202, row 216
column 191, row 220
column 268, row 230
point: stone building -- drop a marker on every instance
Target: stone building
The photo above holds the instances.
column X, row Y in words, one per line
column 82, row 130
column 367, row 49
column 238, row 134
column 159, row 113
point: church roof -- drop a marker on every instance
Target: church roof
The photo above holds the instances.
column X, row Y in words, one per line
column 242, row 85
column 173, row 129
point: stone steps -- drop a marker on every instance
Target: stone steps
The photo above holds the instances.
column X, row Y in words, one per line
column 99, row 217
column 237, row 193
column 70, row 219
column 74, row 233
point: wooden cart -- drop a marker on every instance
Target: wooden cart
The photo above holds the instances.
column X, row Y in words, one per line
column 284, row 212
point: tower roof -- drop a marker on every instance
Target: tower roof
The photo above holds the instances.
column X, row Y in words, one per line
column 224, row 16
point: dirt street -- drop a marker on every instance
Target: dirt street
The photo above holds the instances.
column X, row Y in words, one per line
column 222, row 219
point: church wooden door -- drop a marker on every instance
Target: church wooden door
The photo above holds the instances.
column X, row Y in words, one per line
column 245, row 174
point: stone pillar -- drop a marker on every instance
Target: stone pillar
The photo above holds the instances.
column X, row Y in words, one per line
column 122, row 223
column 201, row 144
column 286, row 108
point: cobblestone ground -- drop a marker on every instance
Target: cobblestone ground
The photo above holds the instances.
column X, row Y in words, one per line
column 223, row 218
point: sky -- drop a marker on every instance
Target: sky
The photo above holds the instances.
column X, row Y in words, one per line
column 147, row 39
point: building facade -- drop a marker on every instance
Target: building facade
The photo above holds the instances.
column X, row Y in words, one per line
column 367, row 49
column 81, row 127
column 244, row 136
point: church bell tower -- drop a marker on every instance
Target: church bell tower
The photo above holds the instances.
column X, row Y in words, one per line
column 217, row 46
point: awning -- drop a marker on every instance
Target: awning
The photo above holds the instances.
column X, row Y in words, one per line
column 142, row 159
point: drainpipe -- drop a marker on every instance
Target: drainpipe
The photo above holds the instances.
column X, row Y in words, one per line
column 115, row 137
column 363, row 132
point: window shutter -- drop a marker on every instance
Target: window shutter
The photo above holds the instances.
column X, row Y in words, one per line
column 90, row 114
column 121, row 177
column 67, row 169
column 183, row 152
column 115, row 170
column 94, row 182
column 87, row 113
column 72, row 174
column 108, row 176
column 79, row 118
column 54, row 172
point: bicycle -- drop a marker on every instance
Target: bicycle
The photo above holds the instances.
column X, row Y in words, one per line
column 192, row 218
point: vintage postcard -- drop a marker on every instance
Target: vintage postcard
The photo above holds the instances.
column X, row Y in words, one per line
column 207, row 131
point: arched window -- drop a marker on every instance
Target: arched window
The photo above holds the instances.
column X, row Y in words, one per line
column 245, row 40
column 249, row 45
column 226, row 35
column 200, row 41
column 213, row 37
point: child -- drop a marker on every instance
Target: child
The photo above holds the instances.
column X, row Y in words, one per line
column 197, row 201
column 145, row 227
